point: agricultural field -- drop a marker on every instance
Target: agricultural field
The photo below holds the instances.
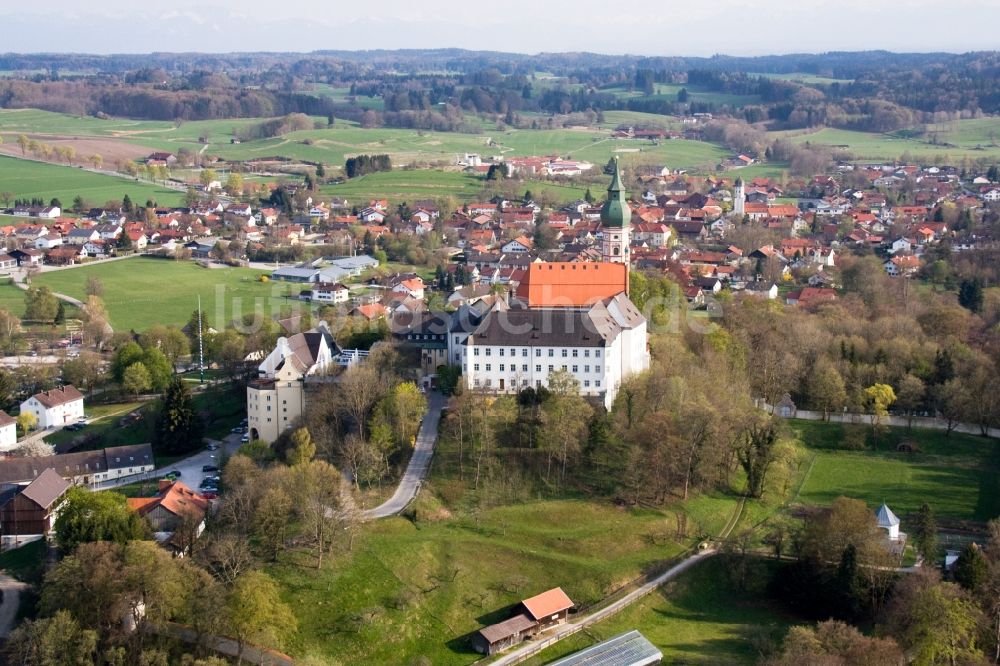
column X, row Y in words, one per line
column 343, row 95
column 700, row 618
column 802, row 77
column 26, row 179
column 957, row 474
column 401, row 185
column 668, row 92
column 143, row 291
column 333, row 145
column 873, row 146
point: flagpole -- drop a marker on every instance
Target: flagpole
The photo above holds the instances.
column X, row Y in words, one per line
column 201, row 349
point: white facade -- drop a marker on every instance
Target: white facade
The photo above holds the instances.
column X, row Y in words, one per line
column 615, row 243
column 330, row 294
column 8, row 432
column 599, row 357
column 53, row 415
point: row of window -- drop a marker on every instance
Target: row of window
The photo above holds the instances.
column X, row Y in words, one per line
column 538, row 352
column 524, row 368
column 488, row 383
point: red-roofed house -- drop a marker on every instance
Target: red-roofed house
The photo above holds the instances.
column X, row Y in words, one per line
column 55, row 408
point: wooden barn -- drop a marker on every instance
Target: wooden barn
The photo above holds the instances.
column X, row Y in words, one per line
column 527, row 619
column 30, row 510
column 548, row 608
column 502, row 635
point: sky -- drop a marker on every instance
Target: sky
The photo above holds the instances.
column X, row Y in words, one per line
column 666, row 28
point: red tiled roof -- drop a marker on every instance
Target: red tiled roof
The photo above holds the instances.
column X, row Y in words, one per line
column 547, row 603
column 571, row 284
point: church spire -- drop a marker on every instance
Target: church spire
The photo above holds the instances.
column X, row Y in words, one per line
column 616, row 211
column 616, row 218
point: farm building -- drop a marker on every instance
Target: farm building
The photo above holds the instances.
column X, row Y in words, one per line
column 31, row 510
column 628, row 649
column 528, row 618
column 502, row 635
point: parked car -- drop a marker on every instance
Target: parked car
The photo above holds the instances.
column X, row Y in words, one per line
column 212, row 447
column 176, row 473
column 237, row 429
column 210, row 494
column 245, row 438
column 209, row 468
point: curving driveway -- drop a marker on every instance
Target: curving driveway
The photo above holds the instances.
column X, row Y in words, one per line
column 420, row 462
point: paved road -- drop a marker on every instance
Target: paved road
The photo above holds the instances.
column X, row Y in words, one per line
column 11, row 598
column 420, row 462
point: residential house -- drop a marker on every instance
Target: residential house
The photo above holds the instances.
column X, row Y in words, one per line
column 48, row 241
column 97, row 248
column 810, row 297
column 329, row 293
column 902, row 265
column 175, row 511
column 7, row 262
column 27, row 257
column 109, row 231
column 413, row 287
column 369, row 311
column 82, row 236
column 519, row 245
column 8, row 431
column 65, row 255
column 762, row 289
column 656, row 234
column 55, row 408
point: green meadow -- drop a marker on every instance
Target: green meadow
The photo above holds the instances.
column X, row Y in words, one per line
column 971, row 140
column 699, row 618
column 26, row 179
column 958, row 475
column 418, row 588
column 143, row 291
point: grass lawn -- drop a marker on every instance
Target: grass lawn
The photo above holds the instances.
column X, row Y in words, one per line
column 222, row 407
column 700, row 618
column 11, row 298
column 24, row 563
column 958, row 475
column 417, row 589
column 105, row 431
column 144, row 291
column 25, row 179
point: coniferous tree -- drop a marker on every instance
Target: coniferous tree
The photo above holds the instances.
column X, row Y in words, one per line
column 925, row 533
column 178, row 427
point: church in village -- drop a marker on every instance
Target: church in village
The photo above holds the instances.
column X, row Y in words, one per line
column 566, row 316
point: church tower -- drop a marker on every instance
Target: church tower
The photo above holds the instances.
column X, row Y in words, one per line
column 739, row 197
column 616, row 217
